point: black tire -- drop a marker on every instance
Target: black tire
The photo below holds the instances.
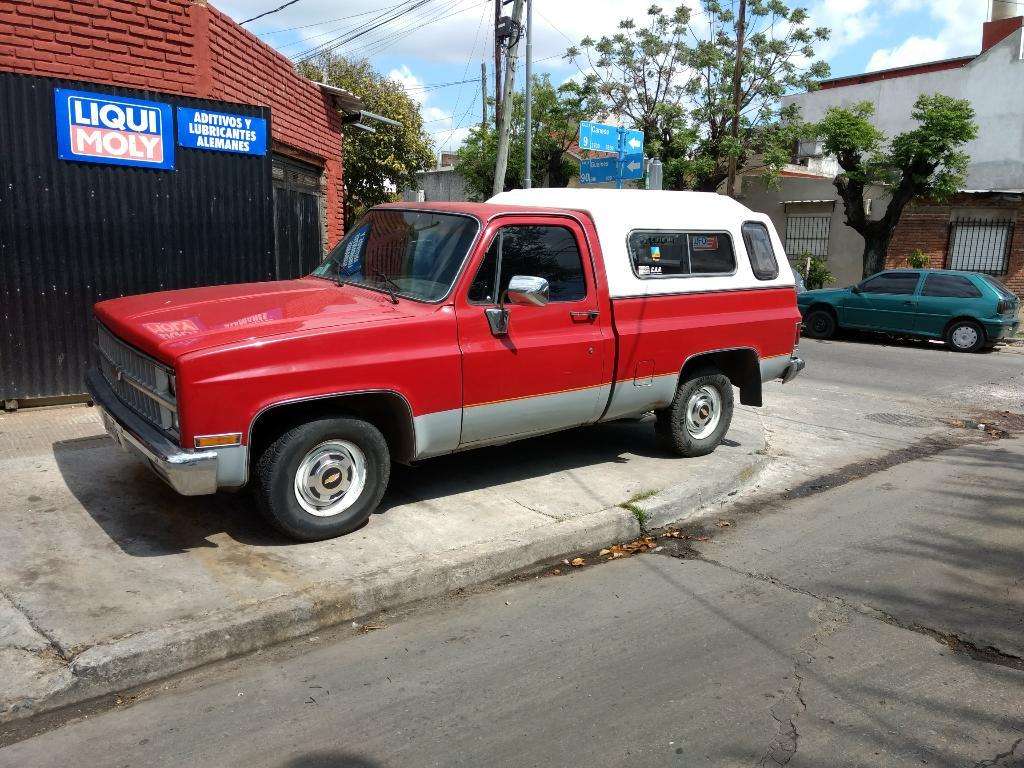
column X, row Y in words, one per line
column 968, row 331
column 276, row 470
column 820, row 324
column 672, row 426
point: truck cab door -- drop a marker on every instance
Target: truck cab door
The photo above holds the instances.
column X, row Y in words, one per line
column 551, row 368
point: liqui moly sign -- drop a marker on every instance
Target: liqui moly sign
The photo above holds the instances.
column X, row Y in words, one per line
column 116, row 130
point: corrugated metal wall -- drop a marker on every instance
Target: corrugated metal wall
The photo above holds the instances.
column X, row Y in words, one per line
column 72, row 234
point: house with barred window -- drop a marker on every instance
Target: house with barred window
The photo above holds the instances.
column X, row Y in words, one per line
column 980, row 229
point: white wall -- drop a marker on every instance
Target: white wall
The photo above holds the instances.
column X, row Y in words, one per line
column 994, row 84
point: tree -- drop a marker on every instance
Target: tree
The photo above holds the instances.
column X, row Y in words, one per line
column 927, row 161
column 377, row 165
column 672, row 79
column 557, row 113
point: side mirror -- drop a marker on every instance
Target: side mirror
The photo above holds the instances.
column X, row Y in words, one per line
column 855, row 289
column 531, row 291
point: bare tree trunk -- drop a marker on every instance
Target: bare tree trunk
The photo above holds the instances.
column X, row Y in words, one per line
column 875, row 249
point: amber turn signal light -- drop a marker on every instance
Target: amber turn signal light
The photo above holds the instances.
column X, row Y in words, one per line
column 218, row 441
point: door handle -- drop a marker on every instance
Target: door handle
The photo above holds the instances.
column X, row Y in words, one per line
column 589, row 316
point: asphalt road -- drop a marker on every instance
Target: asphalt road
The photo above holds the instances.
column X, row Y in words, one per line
column 875, row 623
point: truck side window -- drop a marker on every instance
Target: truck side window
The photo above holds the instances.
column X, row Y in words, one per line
column 675, row 254
column 760, row 251
column 538, row 251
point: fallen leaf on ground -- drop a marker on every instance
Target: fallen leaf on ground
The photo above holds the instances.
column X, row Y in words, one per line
column 577, row 562
column 724, row 523
column 370, row 627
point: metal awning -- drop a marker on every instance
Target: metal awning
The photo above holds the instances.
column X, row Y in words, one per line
column 346, row 101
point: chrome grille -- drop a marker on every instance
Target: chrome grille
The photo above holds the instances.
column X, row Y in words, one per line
column 141, row 383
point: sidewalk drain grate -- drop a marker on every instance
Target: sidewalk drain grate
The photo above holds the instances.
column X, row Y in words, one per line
column 900, row 419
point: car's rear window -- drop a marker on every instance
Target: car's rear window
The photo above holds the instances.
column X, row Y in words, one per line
column 999, row 288
column 659, row 253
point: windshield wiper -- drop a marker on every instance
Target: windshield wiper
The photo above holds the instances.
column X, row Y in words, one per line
column 391, row 285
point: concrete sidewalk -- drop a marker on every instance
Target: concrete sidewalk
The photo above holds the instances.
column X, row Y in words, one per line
column 108, row 579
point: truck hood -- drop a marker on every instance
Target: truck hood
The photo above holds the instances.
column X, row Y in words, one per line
column 169, row 324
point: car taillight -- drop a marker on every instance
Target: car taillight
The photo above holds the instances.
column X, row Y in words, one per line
column 1004, row 306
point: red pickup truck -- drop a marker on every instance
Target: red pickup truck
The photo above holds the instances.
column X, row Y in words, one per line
column 434, row 328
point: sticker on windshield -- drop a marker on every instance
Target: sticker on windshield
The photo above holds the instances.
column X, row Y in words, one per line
column 351, row 263
column 655, row 253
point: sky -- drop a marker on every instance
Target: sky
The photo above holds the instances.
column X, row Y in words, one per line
column 440, row 43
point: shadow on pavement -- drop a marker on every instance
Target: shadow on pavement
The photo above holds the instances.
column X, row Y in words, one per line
column 330, row 760
column 145, row 518
column 881, row 339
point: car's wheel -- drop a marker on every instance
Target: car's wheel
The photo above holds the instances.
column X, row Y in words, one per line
column 965, row 336
column 699, row 416
column 323, row 479
column 820, row 324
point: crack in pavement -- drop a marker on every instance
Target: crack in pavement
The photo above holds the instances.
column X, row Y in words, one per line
column 54, row 649
column 988, row 654
column 785, row 713
column 1016, row 752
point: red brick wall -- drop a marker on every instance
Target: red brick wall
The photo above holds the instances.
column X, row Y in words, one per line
column 182, row 47
column 926, row 226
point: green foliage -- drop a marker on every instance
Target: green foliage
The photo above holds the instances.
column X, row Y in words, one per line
column 918, row 260
column 814, row 270
column 673, row 80
column 557, row 113
column 377, row 165
column 927, row 161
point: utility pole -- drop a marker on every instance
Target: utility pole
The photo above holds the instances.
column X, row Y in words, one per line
column 483, row 94
column 528, row 174
column 497, row 64
column 501, row 165
column 737, row 75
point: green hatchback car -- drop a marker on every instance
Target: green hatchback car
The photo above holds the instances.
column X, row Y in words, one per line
column 968, row 310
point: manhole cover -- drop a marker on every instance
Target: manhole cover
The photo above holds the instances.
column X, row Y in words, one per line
column 900, row 419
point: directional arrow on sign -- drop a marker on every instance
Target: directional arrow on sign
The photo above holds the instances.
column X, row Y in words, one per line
column 632, row 167
column 633, row 141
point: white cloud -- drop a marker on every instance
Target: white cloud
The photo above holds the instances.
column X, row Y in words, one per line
column 404, row 77
column 913, row 50
column 959, row 33
column 850, row 21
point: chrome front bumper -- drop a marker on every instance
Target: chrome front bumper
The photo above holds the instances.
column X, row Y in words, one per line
column 190, row 473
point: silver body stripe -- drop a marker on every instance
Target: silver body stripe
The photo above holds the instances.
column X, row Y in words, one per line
column 437, row 433
column 632, row 399
column 513, row 419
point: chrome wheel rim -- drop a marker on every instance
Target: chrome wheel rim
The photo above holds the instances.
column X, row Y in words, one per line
column 965, row 336
column 330, row 478
column 703, row 412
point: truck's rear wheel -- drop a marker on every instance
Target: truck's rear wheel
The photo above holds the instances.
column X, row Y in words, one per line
column 323, row 479
column 699, row 416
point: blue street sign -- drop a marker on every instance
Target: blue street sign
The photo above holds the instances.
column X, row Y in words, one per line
column 599, row 137
column 628, row 146
column 633, row 142
column 599, row 170
column 631, row 167
column 605, row 169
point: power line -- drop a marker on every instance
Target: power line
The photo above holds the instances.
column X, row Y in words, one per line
column 445, row 12
column 469, row 60
column 321, row 23
column 268, row 13
column 362, row 29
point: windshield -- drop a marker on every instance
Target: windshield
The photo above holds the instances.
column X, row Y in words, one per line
column 416, row 254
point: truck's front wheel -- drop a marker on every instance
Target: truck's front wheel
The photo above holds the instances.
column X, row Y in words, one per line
column 323, row 478
column 699, row 416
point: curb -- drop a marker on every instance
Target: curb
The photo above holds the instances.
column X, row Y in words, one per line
column 152, row 655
